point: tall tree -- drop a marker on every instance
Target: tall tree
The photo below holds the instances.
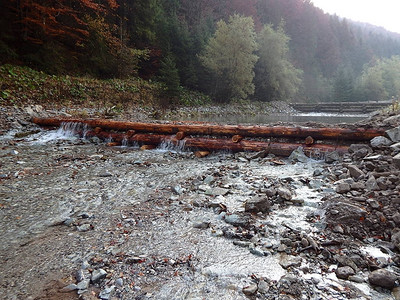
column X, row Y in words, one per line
column 276, row 77
column 229, row 55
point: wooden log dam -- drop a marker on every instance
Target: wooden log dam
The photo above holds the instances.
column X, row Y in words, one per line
column 192, row 135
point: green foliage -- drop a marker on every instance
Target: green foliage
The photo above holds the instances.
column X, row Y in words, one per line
column 230, row 56
column 276, row 77
column 381, row 80
column 343, row 87
column 169, row 78
column 22, row 85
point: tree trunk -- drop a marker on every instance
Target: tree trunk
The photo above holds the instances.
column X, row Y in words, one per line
column 358, row 134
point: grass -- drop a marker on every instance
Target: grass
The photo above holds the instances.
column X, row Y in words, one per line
column 21, row 86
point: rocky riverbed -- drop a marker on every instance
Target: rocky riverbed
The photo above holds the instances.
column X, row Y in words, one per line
column 80, row 220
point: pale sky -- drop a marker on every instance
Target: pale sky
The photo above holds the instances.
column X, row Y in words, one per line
column 385, row 13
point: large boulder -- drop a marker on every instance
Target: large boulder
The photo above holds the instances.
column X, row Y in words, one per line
column 382, row 278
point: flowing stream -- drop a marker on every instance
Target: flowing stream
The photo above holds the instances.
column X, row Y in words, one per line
column 222, row 267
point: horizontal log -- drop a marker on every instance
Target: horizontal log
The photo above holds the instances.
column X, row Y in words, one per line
column 214, row 144
column 358, row 134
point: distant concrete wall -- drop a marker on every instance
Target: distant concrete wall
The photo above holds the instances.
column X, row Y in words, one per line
column 341, row 107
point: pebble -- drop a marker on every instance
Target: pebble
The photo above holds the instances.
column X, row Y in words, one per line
column 83, row 227
column 290, row 261
column 119, row 282
column 237, row 220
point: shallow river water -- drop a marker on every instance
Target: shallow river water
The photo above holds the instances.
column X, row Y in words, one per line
column 148, row 204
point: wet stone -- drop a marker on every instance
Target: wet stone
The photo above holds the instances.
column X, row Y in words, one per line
column 382, row 278
column 344, row 272
column 237, row 220
column 250, row 290
column 288, row 261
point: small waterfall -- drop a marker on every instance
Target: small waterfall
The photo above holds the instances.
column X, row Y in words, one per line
column 66, row 131
column 168, row 145
column 124, row 142
column 109, row 139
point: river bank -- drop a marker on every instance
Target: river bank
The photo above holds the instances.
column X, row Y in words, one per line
column 80, row 219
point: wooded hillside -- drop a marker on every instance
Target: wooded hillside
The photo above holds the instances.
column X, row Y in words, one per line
column 295, row 51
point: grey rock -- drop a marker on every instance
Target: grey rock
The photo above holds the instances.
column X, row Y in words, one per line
column 396, row 293
column 371, row 184
column 177, row 190
column 84, row 284
column 354, row 171
column 346, row 213
column 69, row 288
column 382, row 278
column 338, row 229
column 331, row 157
column 257, row 204
column 298, row 156
column 396, row 160
column 237, row 220
column 396, row 238
column 396, row 218
column 357, row 279
column 285, row 193
column 201, row 224
column 318, row 172
column 290, row 261
column 119, row 282
column 344, row 272
column 358, row 186
column 208, row 180
column 393, row 134
column 105, row 174
column 243, row 244
column 250, row 290
column 263, row 287
column 217, row 191
column 107, row 293
column 83, row 227
column 395, row 147
column 343, row 188
column 257, row 251
column 97, row 275
column 373, row 203
column 356, row 147
column 380, row 141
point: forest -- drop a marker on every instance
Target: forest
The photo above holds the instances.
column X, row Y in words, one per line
column 229, row 50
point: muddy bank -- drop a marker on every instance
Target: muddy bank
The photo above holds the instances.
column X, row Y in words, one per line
column 79, row 219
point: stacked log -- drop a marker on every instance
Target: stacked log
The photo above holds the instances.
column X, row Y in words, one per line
column 153, row 134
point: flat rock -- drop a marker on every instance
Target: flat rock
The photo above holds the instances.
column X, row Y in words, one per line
column 217, row 191
column 97, row 275
column 290, row 261
column 354, row 171
column 343, row 188
column 237, row 220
